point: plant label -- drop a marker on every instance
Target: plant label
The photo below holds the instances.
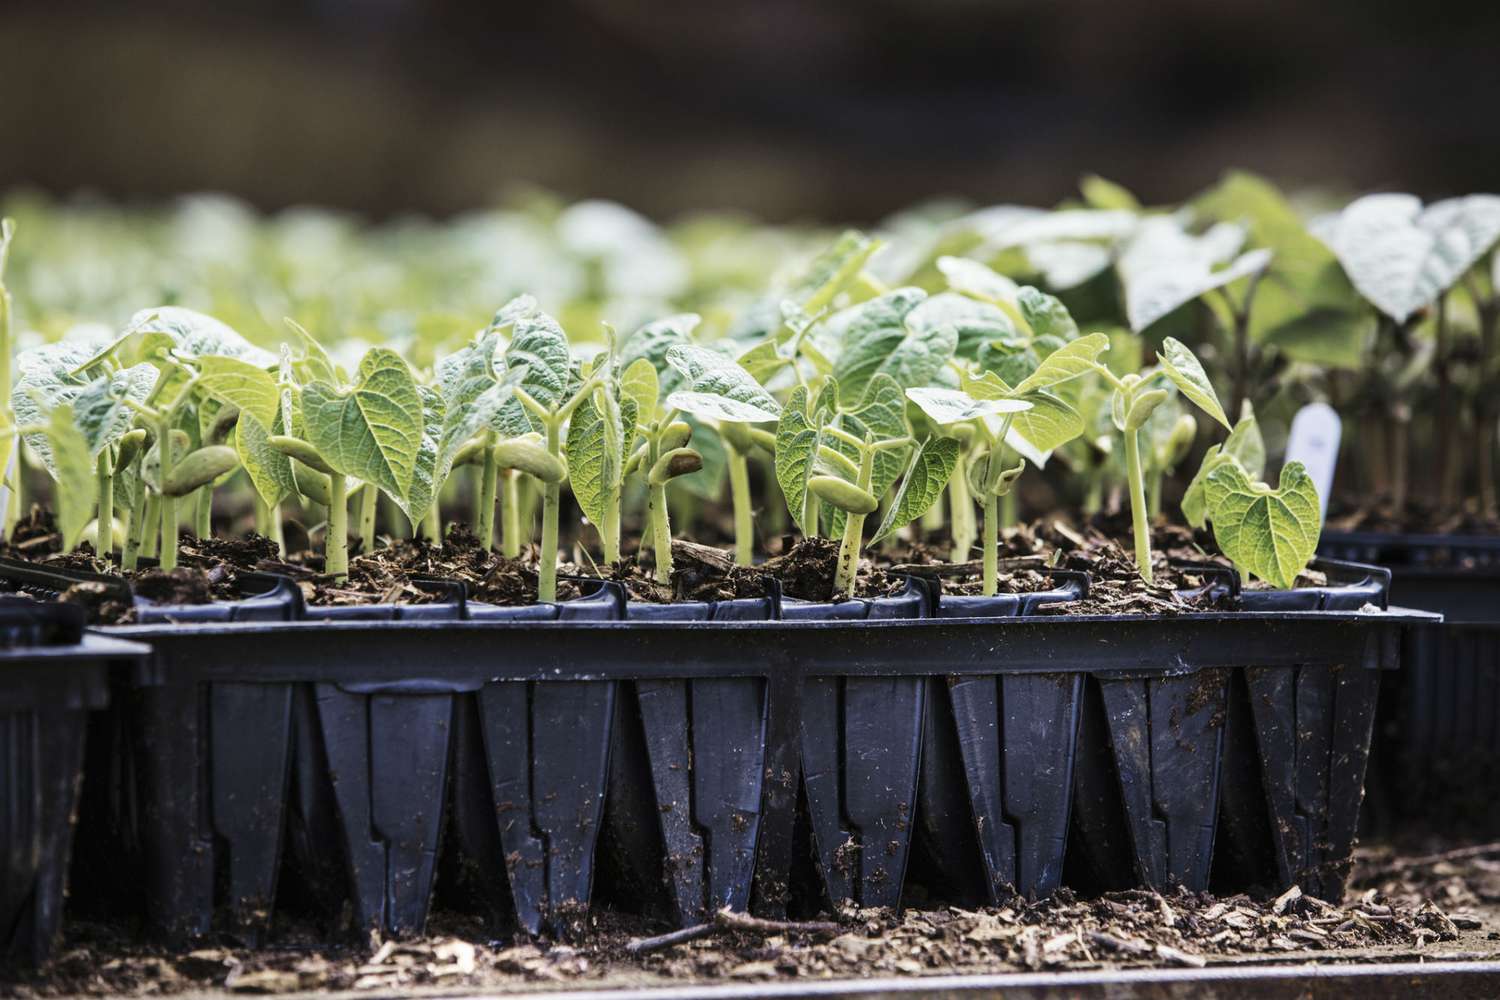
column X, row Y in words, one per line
column 1314, row 442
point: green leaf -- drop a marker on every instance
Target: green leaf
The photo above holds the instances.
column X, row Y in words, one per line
column 951, row 406
column 1402, row 257
column 832, row 269
column 931, row 466
column 708, row 482
column 652, row 342
column 1186, row 372
column 240, row 384
column 1268, row 533
column 881, row 415
column 1106, row 194
column 186, row 332
column 872, row 332
column 593, row 450
column 75, row 493
column 373, row 431
column 1046, row 315
column 1049, row 424
column 1073, row 359
column 270, row 471
column 100, row 409
column 975, row 280
column 1156, row 291
column 426, row 480
column 1245, row 443
column 797, row 438
column 538, row 353
column 974, row 322
column 763, row 361
column 639, row 383
column 716, row 388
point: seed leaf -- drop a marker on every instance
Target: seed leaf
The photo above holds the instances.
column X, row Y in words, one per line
column 1268, row 533
column 1075, row 358
column 1186, row 372
column 931, row 466
column 717, row 388
column 373, row 431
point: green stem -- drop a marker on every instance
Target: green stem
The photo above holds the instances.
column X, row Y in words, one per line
column 854, row 527
column 203, row 512
column 609, row 531
column 960, row 514
column 809, row 515
column 336, row 544
column 546, row 586
column 1153, row 493
column 486, row 503
column 1008, row 512
column 368, row 498
column 432, row 525
column 744, row 524
column 1093, row 497
column 510, row 526
column 168, row 559
column 991, row 545
column 151, row 529
column 1138, row 504
column 105, row 473
column 661, row 532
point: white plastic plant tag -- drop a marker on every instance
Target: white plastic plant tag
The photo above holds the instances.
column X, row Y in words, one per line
column 1314, row 442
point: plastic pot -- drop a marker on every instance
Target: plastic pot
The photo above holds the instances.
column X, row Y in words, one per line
column 51, row 675
column 1438, row 733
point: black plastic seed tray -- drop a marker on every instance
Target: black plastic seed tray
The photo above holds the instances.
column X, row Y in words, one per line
column 541, row 702
column 1438, row 728
column 51, row 675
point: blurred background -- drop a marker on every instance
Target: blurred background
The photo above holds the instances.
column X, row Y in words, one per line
column 788, row 109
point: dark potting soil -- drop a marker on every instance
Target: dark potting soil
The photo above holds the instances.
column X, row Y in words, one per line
column 1442, row 904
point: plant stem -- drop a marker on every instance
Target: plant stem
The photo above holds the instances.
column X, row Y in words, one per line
column 336, row 543
column 105, row 472
column 488, row 474
column 609, row 531
column 1138, row 504
column 432, row 526
column 661, row 532
column 546, row 587
column 1153, row 492
column 168, row 559
column 854, row 527
column 510, row 527
column 991, row 545
column 960, row 514
column 1093, row 497
column 809, row 515
column 744, row 524
column 203, row 512
column 368, row 498
column 134, row 523
column 151, row 527
column 1008, row 514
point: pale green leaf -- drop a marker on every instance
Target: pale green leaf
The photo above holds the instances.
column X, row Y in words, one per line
column 951, row 406
column 1049, row 424
column 1106, row 194
column 426, row 480
column 922, row 486
column 1271, row 534
column 1186, row 372
column 186, row 332
column 869, row 334
column 638, row 382
column 270, row 471
column 763, row 361
column 974, row 322
column 373, row 431
column 652, row 342
column 100, row 408
column 975, row 280
column 714, row 387
column 1046, row 315
column 832, row 269
column 1070, row 361
column 595, row 437
column 538, row 353
column 240, row 384
column 75, row 494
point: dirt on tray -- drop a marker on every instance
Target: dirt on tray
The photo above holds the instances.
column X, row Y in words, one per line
column 1402, row 906
column 1416, row 518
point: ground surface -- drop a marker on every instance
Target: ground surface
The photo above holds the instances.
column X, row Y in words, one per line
column 1427, row 902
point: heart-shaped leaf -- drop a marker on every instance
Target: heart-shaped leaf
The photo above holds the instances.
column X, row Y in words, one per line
column 1402, row 257
column 240, row 384
column 1068, row 362
column 797, row 437
column 1269, row 533
column 74, row 473
column 100, row 408
column 372, row 431
column 1046, row 315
